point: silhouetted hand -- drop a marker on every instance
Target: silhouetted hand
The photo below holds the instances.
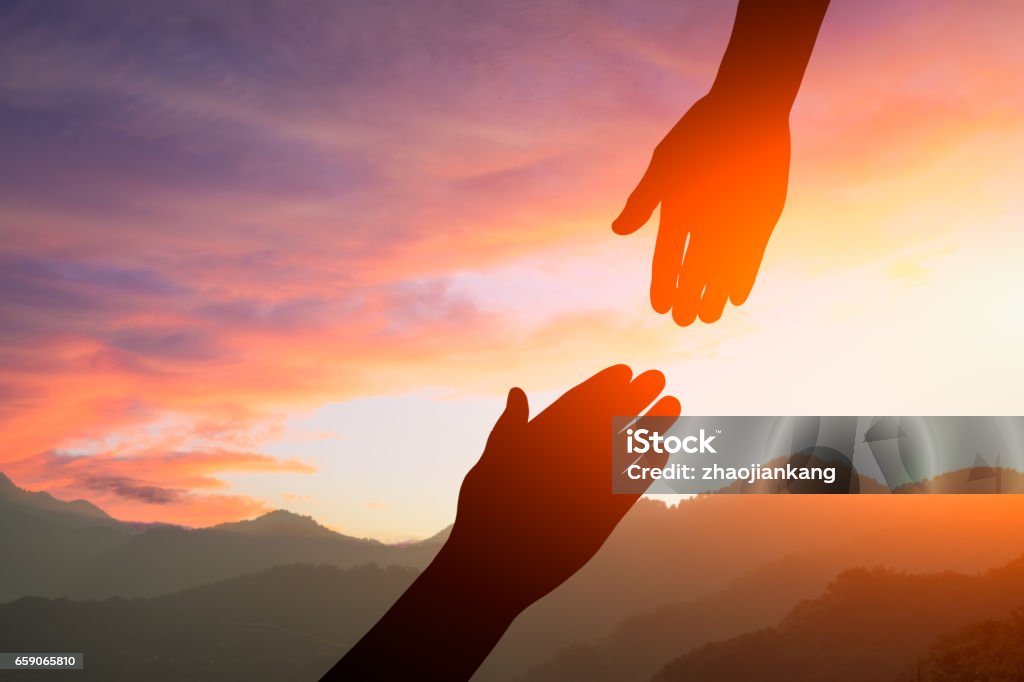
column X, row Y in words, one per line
column 538, row 505
column 720, row 176
column 535, row 508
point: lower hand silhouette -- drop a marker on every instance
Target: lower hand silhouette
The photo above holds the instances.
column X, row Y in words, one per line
column 535, row 508
column 538, row 505
column 720, row 176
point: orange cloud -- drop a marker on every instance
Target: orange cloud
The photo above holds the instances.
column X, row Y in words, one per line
column 153, row 486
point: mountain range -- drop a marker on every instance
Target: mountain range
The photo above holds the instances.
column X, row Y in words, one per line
column 668, row 582
column 674, row 556
column 870, row 624
column 285, row 623
column 73, row 549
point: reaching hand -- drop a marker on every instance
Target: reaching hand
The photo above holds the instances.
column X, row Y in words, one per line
column 720, row 175
column 539, row 504
column 535, row 508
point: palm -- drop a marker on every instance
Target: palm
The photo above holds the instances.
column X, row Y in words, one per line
column 543, row 486
column 720, row 176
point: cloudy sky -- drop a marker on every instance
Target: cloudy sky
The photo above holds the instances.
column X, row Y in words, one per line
column 292, row 254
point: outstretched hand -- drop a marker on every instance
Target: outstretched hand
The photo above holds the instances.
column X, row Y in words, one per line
column 539, row 504
column 720, row 176
column 535, row 508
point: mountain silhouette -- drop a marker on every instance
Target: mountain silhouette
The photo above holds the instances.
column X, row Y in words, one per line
column 46, row 541
column 292, row 622
column 167, row 559
column 278, row 522
column 677, row 555
column 674, row 567
column 869, row 624
column 42, row 502
column 286, row 623
column 73, row 549
column 639, row 646
column 992, row 650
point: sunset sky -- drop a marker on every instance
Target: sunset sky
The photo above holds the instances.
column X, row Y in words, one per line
column 293, row 254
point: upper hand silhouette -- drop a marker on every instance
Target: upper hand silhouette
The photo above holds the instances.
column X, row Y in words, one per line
column 720, row 175
column 539, row 504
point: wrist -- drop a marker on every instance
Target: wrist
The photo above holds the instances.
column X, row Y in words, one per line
column 474, row 585
column 760, row 100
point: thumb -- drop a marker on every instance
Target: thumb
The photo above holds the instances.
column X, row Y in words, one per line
column 516, row 414
column 641, row 203
column 744, row 279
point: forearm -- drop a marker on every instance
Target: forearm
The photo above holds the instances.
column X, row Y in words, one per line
column 442, row 628
column 768, row 51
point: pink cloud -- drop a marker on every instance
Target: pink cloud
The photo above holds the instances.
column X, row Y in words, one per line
column 179, row 487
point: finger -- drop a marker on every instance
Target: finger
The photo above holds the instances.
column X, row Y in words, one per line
column 597, row 390
column 660, row 417
column 667, row 406
column 515, row 416
column 642, row 390
column 517, row 408
column 712, row 303
column 743, row 282
column 641, row 203
column 668, row 255
column 692, row 280
column 616, row 375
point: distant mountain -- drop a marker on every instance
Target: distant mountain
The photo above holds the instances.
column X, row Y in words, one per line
column 639, row 646
column 992, row 651
column 44, row 503
column 678, row 555
column 278, row 522
column 293, row 622
column 435, row 540
column 685, row 556
column 73, row 549
column 868, row 625
column 168, row 559
column 45, row 541
column 286, row 623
